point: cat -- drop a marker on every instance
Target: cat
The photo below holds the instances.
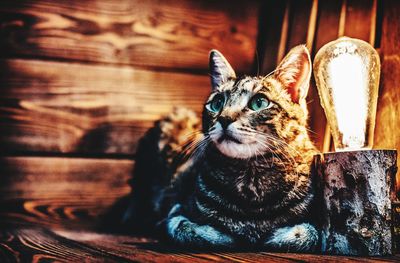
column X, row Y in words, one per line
column 239, row 177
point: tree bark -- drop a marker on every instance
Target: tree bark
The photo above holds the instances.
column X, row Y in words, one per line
column 356, row 188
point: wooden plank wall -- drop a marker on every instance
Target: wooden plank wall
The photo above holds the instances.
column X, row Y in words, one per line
column 82, row 81
column 91, row 76
column 387, row 133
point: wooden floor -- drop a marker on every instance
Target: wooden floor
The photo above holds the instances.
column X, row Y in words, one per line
column 42, row 245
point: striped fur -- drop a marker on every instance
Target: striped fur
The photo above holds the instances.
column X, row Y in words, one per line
column 244, row 179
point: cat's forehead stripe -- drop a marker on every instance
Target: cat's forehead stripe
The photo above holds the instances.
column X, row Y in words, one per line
column 226, row 86
column 247, row 83
column 239, row 88
column 265, row 85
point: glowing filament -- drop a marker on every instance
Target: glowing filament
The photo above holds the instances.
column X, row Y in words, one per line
column 347, row 76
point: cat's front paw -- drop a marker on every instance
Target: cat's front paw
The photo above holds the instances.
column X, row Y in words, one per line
column 299, row 238
column 186, row 233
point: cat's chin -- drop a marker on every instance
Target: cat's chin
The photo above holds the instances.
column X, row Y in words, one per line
column 239, row 150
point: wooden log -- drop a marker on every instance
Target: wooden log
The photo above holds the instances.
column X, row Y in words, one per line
column 327, row 30
column 356, row 188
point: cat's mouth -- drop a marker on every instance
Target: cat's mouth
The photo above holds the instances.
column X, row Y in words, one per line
column 228, row 137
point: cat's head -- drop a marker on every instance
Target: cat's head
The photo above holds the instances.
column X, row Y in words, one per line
column 249, row 116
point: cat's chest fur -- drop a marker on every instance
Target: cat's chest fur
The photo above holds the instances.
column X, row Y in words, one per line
column 248, row 198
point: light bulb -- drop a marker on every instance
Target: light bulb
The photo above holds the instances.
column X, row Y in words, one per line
column 347, row 74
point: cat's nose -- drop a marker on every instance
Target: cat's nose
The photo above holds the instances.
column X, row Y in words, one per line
column 225, row 121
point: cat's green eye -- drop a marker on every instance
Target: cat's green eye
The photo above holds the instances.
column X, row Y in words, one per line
column 259, row 102
column 216, row 104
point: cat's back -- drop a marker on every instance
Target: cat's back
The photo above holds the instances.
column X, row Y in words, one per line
column 164, row 152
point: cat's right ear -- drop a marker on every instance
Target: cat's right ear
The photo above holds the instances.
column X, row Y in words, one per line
column 220, row 69
column 294, row 72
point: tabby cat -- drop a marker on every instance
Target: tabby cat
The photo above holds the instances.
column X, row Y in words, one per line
column 241, row 177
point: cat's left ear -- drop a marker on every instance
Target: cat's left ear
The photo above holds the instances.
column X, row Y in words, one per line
column 220, row 69
column 294, row 72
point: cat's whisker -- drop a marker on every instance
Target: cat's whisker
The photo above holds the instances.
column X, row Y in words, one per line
column 269, row 74
column 271, row 151
column 282, row 142
column 280, row 149
column 255, row 152
column 309, row 130
column 279, row 145
column 263, row 154
column 188, row 137
column 200, row 145
column 288, row 155
column 268, row 148
column 274, row 140
column 192, row 148
column 190, row 144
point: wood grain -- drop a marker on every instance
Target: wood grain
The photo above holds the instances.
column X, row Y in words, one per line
column 358, row 19
column 271, row 20
column 356, row 201
column 387, row 133
column 279, row 36
column 60, row 192
column 76, row 108
column 162, row 34
column 327, row 30
column 40, row 245
column 298, row 23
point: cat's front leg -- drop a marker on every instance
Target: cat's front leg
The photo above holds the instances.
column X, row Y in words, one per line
column 299, row 238
column 186, row 233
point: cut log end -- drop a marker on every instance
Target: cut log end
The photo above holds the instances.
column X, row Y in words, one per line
column 356, row 188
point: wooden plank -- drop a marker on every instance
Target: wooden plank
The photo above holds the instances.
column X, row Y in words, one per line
column 284, row 34
column 358, row 19
column 271, row 25
column 144, row 250
column 335, row 21
column 60, row 192
column 40, row 245
column 299, row 20
column 334, row 259
column 356, row 11
column 75, row 108
column 387, row 133
column 162, row 34
column 327, row 24
column 327, row 30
